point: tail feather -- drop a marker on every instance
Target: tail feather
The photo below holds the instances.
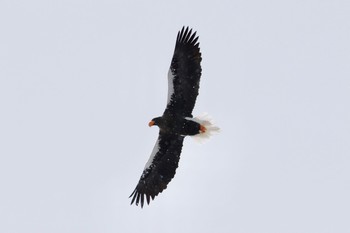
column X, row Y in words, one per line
column 211, row 129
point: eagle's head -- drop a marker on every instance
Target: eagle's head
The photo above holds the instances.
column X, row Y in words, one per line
column 156, row 121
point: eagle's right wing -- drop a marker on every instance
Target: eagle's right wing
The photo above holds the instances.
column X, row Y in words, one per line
column 159, row 169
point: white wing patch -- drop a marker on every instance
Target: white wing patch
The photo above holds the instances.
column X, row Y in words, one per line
column 170, row 85
column 154, row 152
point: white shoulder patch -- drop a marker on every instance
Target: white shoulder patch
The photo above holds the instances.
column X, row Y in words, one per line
column 154, row 152
column 170, row 84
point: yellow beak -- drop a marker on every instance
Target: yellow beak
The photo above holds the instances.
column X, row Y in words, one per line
column 151, row 123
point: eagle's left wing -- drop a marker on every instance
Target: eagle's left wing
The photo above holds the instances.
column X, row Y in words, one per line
column 160, row 168
column 184, row 74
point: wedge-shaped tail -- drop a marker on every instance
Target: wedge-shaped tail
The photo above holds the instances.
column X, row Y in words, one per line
column 209, row 128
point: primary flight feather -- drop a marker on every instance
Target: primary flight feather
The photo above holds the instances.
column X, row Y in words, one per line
column 177, row 121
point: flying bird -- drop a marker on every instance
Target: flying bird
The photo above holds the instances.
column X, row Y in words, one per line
column 177, row 121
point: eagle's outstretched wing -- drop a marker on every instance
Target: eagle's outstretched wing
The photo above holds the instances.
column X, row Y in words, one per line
column 184, row 74
column 160, row 168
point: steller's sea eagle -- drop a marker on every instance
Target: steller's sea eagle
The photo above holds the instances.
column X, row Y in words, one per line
column 177, row 121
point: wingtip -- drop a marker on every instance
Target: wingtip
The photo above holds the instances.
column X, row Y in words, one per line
column 133, row 195
column 139, row 198
column 187, row 35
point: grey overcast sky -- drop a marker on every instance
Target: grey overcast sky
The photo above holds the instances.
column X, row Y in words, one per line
column 79, row 81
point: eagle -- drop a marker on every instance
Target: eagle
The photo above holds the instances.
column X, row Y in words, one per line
column 177, row 121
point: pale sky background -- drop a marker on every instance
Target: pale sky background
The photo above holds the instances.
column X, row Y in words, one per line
column 80, row 80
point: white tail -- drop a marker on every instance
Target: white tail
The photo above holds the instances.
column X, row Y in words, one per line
column 210, row 129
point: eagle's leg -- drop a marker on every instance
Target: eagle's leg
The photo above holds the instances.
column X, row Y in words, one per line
column 202, row 129
column 206, row 127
